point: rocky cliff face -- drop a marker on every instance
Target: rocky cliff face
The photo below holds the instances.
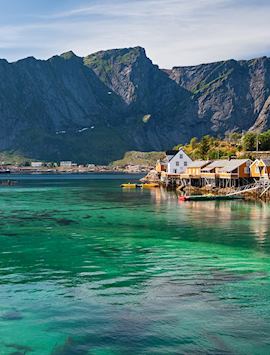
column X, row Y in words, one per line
column 94, row 109
column 231, row 95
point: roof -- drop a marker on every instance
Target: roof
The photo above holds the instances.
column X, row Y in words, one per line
column 221, row 163
column 170, row 154
column 198, row 163
column 255, row 161
column 266, row 162
column 233, row 164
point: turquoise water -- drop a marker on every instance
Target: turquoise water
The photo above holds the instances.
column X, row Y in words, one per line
column 88, row 268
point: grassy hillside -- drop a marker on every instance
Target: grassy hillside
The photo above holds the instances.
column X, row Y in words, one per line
column 139, row 158
column 13, row 158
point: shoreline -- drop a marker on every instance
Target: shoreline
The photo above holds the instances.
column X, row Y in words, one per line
column 97, row 170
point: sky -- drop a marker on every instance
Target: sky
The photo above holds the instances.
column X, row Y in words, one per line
column 173, row 32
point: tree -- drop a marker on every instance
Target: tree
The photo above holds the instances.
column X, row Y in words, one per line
column 234, row 137
column 193, row 142
column 264, row 140
column 249, row 141
column 204, row 146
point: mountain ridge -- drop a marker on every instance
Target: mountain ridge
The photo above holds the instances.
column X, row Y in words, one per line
column 97, row 107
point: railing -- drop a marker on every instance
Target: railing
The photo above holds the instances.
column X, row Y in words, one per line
column 190, row 176
column 228, row 175
column 262, row 184
column 209, row 175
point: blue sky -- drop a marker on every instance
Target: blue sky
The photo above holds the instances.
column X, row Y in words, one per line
column 174, row 32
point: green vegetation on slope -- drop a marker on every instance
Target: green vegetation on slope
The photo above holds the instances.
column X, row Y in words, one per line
column 204, row 86
column 235, row 144
column 214, row 148
column 139, row 158
column 13, row 158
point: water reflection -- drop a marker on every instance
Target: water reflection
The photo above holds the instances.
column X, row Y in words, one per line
column 243, row 219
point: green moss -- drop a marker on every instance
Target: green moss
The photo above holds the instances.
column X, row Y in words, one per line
column 204, row 86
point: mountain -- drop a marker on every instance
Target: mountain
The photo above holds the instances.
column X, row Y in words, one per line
column 230, row 95
column 94, row 109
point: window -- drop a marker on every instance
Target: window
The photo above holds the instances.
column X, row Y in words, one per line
column 177, row 163
column 257, row 170
column 246, row 170
column 175, row 171
column 185, row 163
column 181, row 156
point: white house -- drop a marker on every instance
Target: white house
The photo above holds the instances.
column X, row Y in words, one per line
column 178, row 161
column 36, row 164
column 65, row 164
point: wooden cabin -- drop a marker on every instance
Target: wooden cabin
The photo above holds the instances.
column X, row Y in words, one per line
column 192, row 174
column 235, row 172
column 260, row 168
column 210, row 172
column 194, row 169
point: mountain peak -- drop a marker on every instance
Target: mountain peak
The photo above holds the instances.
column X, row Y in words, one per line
column 120, row 55
column 68, row 55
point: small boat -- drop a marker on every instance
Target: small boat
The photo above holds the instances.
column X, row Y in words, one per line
column 150, row 185
column 209, row 198
column 131, row 186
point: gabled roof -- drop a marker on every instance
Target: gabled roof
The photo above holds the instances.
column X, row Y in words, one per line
column 266, row 162
column 221, row 163
column 255, row 161
column 170, row 154
column 233, row 164
column 198, row 163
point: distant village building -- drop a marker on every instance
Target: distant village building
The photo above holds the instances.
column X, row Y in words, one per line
column 91, row 166
column 36, row 164
column 66, row 164
column 177, row 160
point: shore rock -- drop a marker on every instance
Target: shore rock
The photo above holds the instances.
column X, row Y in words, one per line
column 152, row 177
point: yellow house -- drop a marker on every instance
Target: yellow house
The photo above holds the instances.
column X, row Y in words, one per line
column 260, row 168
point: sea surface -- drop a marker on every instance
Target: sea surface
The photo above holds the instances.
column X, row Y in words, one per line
column 89, row 268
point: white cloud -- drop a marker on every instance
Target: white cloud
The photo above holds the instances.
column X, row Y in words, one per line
column 174, row 32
